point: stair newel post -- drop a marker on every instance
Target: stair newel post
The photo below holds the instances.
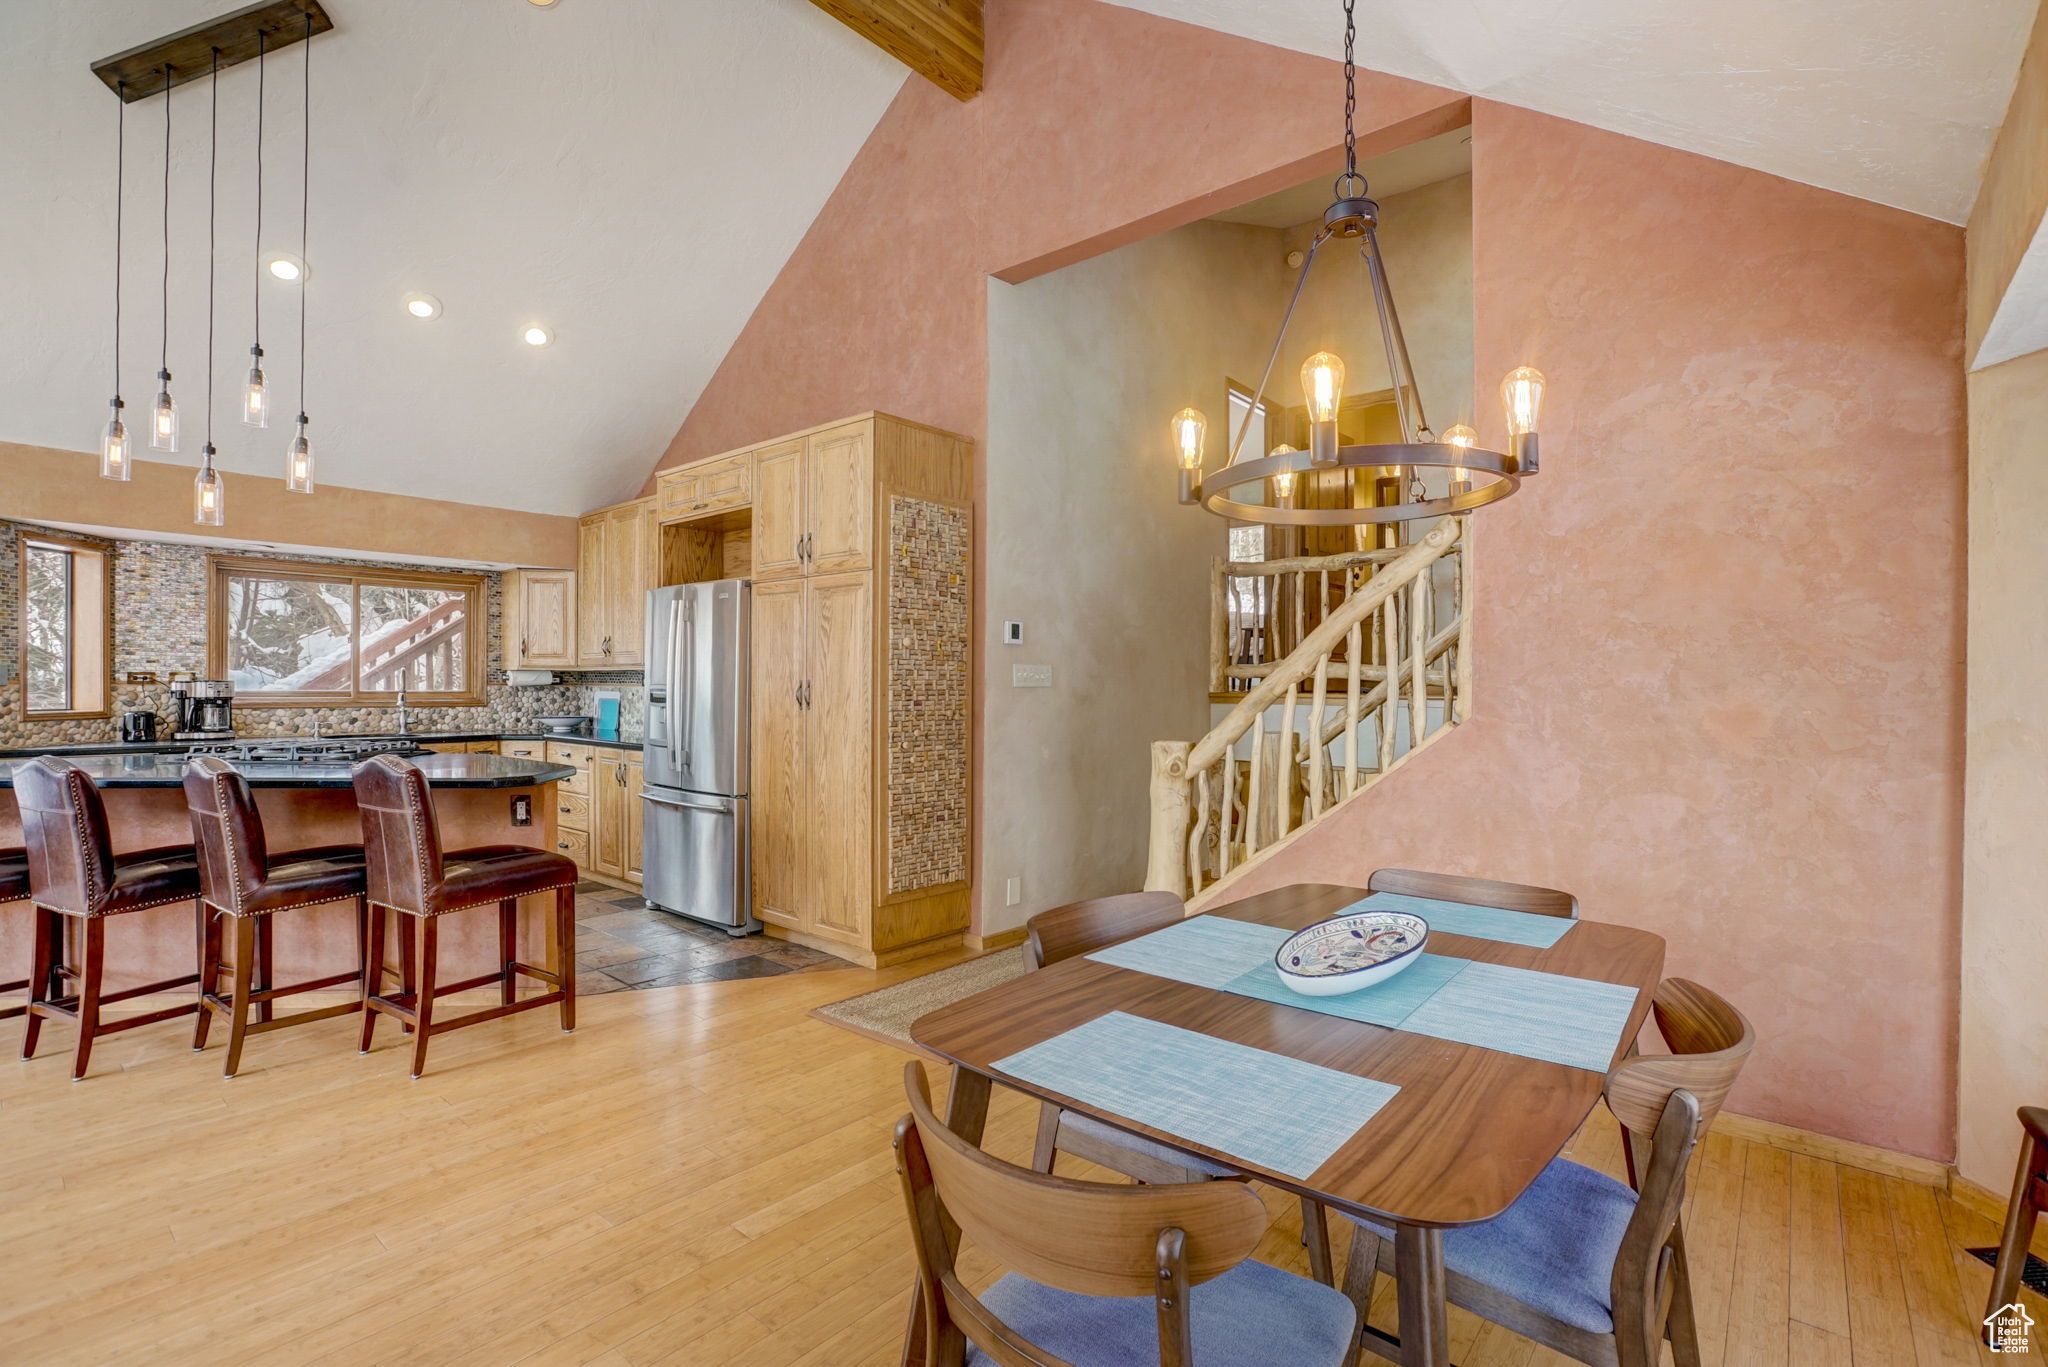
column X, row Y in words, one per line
column 1170, row 794
column 1219, row 626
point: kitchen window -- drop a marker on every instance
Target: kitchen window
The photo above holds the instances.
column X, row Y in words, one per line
column 66, row 629
column 288, row 633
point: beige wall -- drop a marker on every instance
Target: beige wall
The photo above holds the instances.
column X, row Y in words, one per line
column 40, row 484
column 1087, row 546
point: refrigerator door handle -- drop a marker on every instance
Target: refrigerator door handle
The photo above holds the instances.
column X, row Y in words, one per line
column 682, row 608
column 713, row 805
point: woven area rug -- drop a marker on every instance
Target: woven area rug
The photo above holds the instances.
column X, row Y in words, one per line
column 886, row 1013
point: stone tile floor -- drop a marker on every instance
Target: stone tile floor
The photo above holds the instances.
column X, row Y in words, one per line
column 621, row 945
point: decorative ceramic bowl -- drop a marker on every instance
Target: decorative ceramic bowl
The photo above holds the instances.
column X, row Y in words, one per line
column 1347, row 953
column 564, row 726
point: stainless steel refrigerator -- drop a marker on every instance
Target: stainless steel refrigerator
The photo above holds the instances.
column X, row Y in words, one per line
column 694, row 799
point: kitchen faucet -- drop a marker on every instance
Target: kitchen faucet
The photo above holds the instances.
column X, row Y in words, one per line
column 404, row 720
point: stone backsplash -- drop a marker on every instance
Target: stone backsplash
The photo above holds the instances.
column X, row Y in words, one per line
column 159, row 595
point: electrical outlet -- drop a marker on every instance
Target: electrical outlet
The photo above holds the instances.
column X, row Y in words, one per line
column 1013, row 892
column 1031, row 676
column 1013, row 633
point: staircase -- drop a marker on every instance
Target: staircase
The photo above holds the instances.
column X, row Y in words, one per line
column 1374, row 669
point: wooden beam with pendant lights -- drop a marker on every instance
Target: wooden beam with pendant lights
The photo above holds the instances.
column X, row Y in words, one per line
column 940, row 40
column 139, row 72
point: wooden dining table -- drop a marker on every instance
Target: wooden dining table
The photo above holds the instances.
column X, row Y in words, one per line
column 1468, row 1131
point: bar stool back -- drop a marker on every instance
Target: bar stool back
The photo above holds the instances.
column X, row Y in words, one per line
column 241, row 881
column 411, row 875
column 13, row 887
column 74, row 872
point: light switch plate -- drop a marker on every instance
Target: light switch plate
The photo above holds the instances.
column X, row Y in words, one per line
column 1031, row 676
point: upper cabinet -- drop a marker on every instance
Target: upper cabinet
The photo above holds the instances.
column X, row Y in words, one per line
column 814, row 503
column 540, row 619
column 617, row 563
column 704, row 487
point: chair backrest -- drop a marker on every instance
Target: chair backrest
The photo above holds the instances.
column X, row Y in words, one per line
column 1480, row 892
column 1080, row 927
column 64, row 827
column 1710, row 1041
column 401, row 837
column 1092, row 1238
column 1640, row 1286
column 227, row 831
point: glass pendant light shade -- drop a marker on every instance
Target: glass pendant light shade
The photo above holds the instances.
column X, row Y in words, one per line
column 209, row 498
column 298, row 464
column 114, row 461
column 1322, row 385
column 1189, row 428
column 163, row 418
column 1522, row 391
column 256, row 394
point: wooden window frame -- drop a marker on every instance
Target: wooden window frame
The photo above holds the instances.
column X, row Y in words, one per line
column 221, row 569
column 92, row 652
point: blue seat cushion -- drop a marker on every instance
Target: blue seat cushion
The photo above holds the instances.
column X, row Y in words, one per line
column 1553, row 1249
column 1254, row 1315
column 1073, row 1122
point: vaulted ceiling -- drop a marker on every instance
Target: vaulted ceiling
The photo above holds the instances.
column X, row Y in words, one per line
column 632, row 174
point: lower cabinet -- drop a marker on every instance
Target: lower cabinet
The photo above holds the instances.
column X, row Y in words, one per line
column 597, row 815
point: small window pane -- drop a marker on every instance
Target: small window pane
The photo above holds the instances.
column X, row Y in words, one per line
column 46, row 615
column 289, row 635
column 415, row 636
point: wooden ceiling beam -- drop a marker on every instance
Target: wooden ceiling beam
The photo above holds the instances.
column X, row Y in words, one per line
column 941, row 40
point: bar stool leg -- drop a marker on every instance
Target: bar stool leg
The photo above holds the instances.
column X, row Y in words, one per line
column 363, row 946
column 408, row 961
column 209, row 974
column 373, row 975
column 93, row 953
column 424, row 1000
column 246, row 932
column 2019, row 1230
column 508, row 949
column 565, row 953
column 42, row 977
column 266, row 1011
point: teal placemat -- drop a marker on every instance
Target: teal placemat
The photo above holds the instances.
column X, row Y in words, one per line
column 1272, row 1111
column 1207, row 951
column 1462, row 918
column 1574, row 1021
column 1388, row 1003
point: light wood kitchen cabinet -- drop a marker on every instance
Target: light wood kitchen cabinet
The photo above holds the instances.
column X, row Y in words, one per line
column 860, row 701
column 617, row 557
column 707, row 485
column 540, row 619
column 597, row 812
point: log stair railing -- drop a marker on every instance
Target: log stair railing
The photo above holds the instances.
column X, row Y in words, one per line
column 1375, row 660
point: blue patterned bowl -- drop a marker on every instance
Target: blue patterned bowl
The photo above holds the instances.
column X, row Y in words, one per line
column 1346, row 953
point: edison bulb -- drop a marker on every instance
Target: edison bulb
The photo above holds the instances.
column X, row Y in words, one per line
column 209, row 500
column 1464, row 438
column 1522, row 391
column 1322, row 385
column 1283, row 483
column 1189, row 429
column 256, row 399
column 298, row 461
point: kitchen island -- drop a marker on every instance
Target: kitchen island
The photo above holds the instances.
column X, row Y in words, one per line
column 480, row 800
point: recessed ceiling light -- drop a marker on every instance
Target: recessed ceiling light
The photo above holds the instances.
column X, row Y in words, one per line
column 542, row 4
column 286, row 267
column 536, row 335
column 423, row 306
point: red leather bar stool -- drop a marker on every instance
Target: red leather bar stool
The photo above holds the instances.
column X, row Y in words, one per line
column 73, row 871
column 241, row 881
column 13, row 887
column 410, row 875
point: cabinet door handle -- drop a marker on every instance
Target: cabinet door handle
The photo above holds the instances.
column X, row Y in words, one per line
column 798, row 692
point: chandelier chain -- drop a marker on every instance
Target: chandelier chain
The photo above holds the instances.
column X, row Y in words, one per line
column 1350, row 92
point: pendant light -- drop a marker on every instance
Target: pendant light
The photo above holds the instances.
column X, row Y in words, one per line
column 114, row 461
column 255, row 394
column 298, row 465
column 209, row 502
column 1476, row 477
column 163, row 418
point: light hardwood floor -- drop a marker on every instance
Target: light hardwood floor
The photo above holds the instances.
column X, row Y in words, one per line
column 699, row 1175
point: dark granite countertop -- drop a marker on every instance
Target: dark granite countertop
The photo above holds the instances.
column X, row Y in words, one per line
column 179, row 747
column 149, row 767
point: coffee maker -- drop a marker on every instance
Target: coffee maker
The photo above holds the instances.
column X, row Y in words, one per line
column 204, row 709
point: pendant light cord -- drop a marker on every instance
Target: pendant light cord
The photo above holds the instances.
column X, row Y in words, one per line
column 256, row 291
column 120, row 182
column 305, row 198
column 212, row 175
column 1350, row 175
column 163, row 363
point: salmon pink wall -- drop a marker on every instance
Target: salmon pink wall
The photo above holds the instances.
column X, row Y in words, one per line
column 1718, row 639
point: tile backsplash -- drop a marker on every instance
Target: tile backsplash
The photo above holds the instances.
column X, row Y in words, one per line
column 159, row 595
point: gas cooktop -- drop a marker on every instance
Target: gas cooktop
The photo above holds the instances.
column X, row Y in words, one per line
column 288, row 751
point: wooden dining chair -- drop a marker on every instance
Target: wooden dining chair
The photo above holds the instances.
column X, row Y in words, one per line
column 1581, row 1263
column 1100, row 1273
column 1479, row 892
column 2029, row 1196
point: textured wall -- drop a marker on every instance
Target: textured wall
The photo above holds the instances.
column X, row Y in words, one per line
column 160, row 594
column 1719, row 639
